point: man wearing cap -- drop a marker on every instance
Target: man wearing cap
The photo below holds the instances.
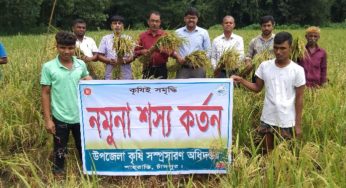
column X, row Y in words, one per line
column 315, row 61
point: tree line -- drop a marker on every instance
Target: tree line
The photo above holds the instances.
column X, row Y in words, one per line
column 21, row 15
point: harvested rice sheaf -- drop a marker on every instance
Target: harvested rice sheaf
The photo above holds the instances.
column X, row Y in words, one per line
column 260, row 57
column 198, row 59
column 169, row 42
column 78, row 53
column 123, row 45
column 298, row 49
column 172, row 65
column 229, row 60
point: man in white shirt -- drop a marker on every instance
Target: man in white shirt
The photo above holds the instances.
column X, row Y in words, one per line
column 86, row 44
column 284, row 83
column 227, row 40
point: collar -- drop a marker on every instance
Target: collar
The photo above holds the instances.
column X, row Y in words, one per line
column 74, row 62
column 230, row 38
column 270, row 38
column 159, row 32
column 186, row 30
column 84, row 37
column 317, row 49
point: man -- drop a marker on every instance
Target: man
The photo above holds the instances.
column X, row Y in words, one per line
column 227, row 40
column 197, row 39
column 3, row 57
column 284, row 83
column 59, row 80
column 315, row 62
column 109, row 56
column 157, row 67
column 265, row 40
column 262, row 42
column 86, row 44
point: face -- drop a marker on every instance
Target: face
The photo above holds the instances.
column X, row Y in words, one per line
column 282, row 51
column 154, row 22
column 312, row 38
column 228, row 24
column 267, row 28
column 65, row 51
column 79, row 29
column 117, row 26
column 191, row 21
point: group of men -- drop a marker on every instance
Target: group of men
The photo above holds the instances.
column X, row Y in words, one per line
column 284, row 80
column 196, row 38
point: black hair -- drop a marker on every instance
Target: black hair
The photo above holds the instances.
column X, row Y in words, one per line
column 65, row 38
column 153, row 12
column 77, row 21
column 192, row 11
column 227, row 16
column 283, row 36
column 116, row 18
column 267, row 18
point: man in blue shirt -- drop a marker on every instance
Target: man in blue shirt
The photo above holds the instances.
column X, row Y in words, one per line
column 3, row 56
column 197, row 39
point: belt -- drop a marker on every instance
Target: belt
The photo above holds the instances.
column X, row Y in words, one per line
column 187, row 66
column 158, row 66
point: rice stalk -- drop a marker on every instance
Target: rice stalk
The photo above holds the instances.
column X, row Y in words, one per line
column 123, row 45
column 79, row 53
column 260, row 57
column 167, row 43
column 298, row 49
column 198, row 59
column 229, row 59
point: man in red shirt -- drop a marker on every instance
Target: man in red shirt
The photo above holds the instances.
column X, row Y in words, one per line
column 157, row 66
column 315, row 61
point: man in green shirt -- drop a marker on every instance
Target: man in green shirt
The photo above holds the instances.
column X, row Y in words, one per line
column 59, row 80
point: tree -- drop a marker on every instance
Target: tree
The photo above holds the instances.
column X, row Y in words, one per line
column 93, row 12
column 338, row 11
column 19, row 14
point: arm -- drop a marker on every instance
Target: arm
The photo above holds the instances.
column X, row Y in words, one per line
column 178, row 57
column 139, row 49
column 94, row 50
column 92, row 46
column 93, row 58
column 102, row 53
column 299, row 109
column 213, row 55
column 102, row 58
column 255, row 87
column 251, row 50
column 87, row 78
column 206, row 42
column 324, row 69
column 240, row 48
column 45, row 99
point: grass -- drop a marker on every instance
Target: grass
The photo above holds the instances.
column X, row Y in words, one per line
column 316, row 160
